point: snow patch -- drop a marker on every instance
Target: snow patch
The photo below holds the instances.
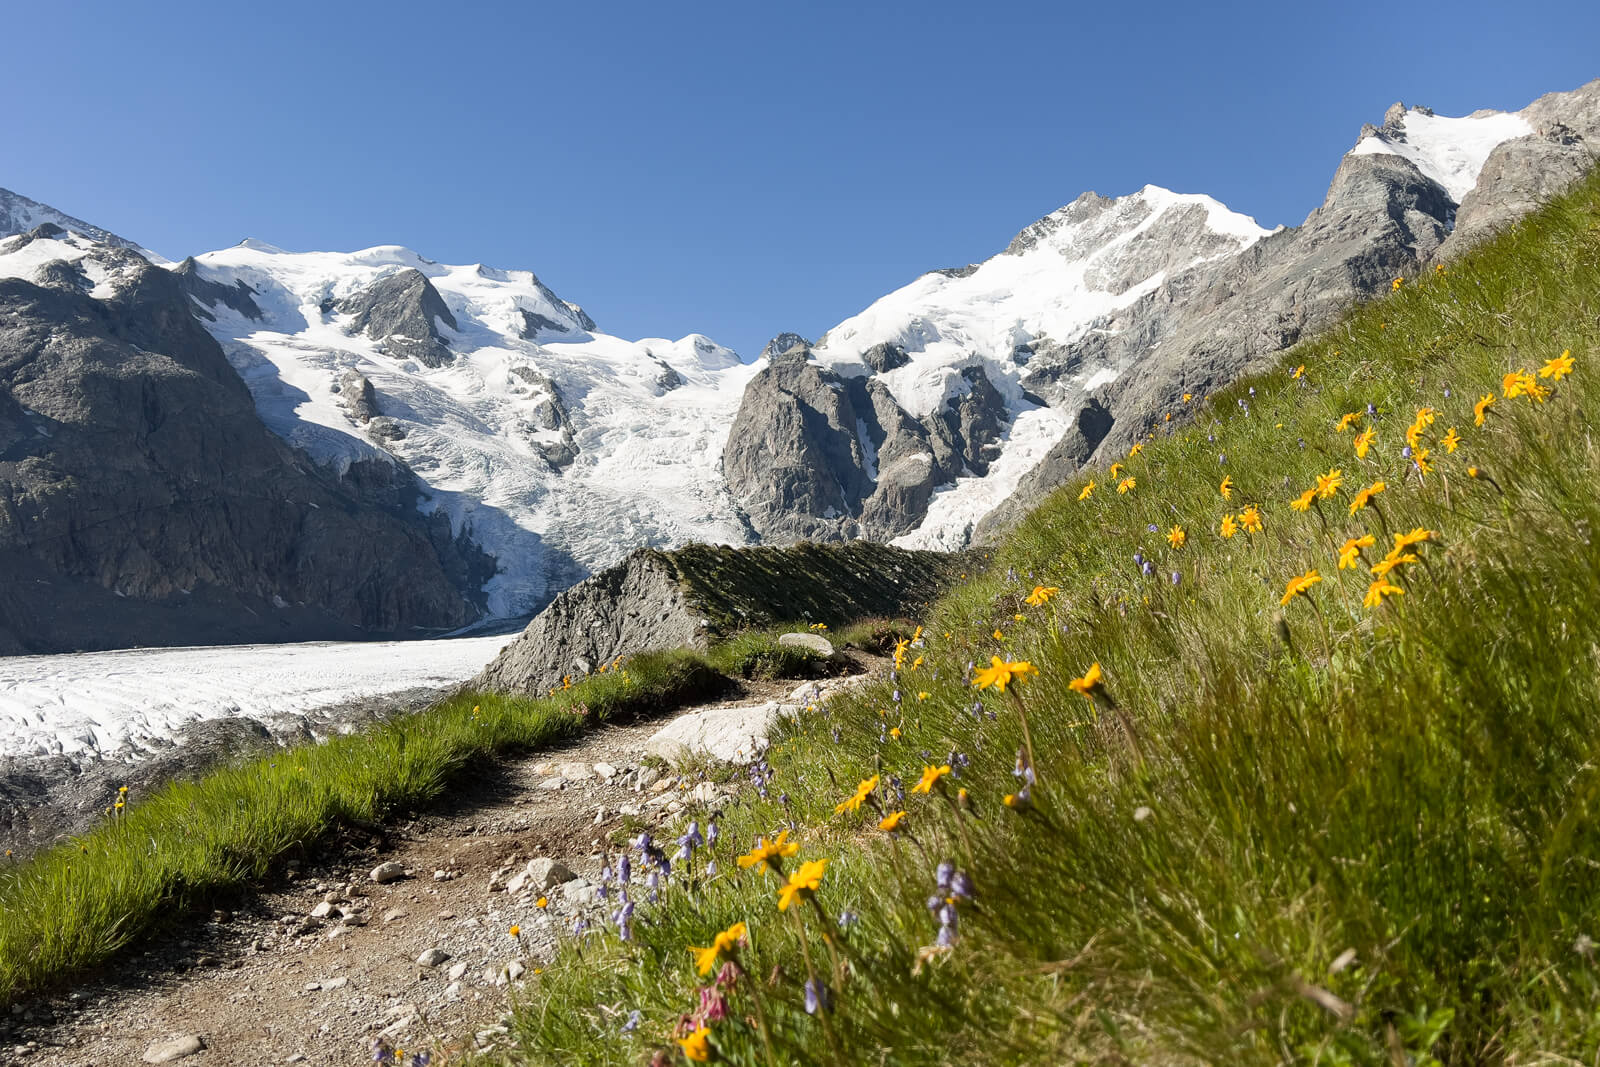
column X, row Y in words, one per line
column 1451, row 151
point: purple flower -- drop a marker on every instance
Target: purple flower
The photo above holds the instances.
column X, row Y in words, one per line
column 943, row 873
column 1153, row 528
column 713, row 1005
column 818, row 998
column 381, row 1052
column 420, row 1059
column 633, row 1022
column 1138, row 558
column 1176, row 577
column 1148, row 568
column 1406, row 451
column 961, row 886
column 848, row 919
column 712, row 834
column 624, row 869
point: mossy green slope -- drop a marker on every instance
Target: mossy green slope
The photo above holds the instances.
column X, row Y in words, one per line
column 1298, row 828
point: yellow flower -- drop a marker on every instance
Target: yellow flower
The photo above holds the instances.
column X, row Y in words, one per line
column 890, row 823
column 924, row 695
column 1000, row 672
column 1394, row 559
column 1521, row 383
column 1364, row 441
column 1126, row 485
column 1086, row 491
column 1229, row 527
column 1425, row 416
column 1299, row 586
column 1328, row 484
column 727, row 941
column 1481, row 407
column 1415, row 537
column 999, row 635
column 1303, row 501
column 854, row 801
column 804, row 881
column 894, row 732
column 1377, row 591
column 697, row 1046
column 515, row 931
column 930, row 778
column 1396, row 284
column 1344, row 423
column 1041, row 594
column 1187, row 397
column 916, row 663
column 1364, row 497
column 1250, row 519
column 1558, row 368
column 1351, row 552
column 1414, row 435
column 1091, row 680
column 1115, row 469
column 1299, row 372
column 1138, row 447
column 770, row 852
column 1226, row 488
column 1420, row 458
column 542, row 903
column 1451, row 441
column 1176, row 537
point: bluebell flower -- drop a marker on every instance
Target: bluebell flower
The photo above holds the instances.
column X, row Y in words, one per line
column 847, row 919
column 711, row 868
column 818, row 998
column 1148, row 568
column 624, row 869
column 1372, row 409
column 420, row 1059
column 1138, row 558
column 1222, row 459
column 712, row 833
column 943, row 873
column 1406, row 451
column 1154, row 528
column 1176, row 578
column 961, row 886
column 381, row 1052
column 633, row 1022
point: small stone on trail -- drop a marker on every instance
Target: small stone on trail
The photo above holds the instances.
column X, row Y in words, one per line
column 553, row 783
column 433, row 957
column 385, row 873
column 175, row 1049
column 335, row 983
column 459, row 970
column 322, row 911
column 605, row 770
column 577, row 772
column 545, row 872
column 395, row 915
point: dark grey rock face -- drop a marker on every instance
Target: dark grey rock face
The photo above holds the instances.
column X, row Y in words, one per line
column 143, row 502
column 816, row 456
column 403, row 311
column 783, row 343
column 208, row 294
column 1065, row 458
column 360, row 400
column 550, row 414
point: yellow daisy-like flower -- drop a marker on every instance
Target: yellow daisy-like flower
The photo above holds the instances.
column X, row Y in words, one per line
column 856, row 799
column 514, row 931
column 802, row 883
column 1388, row 563
column 1299, row 372
column 1138, row 446
column 930, row 778
column 1395, row 285
column 1451, row 441
column 1425, row 416
column 1116, row 468
column 697, row 1046
column 1087, row 491
column 1414, row 435
column 999, row 635
column 1041, row 595
column 727, row 941
column 1250, row 519
column 1176, row 537
column 1226, row 488
column 1521, row 383
column 1377, row 591
column 1229, row 526
column 1328, row 484
column 1481, row 408
column 924, row 695
column 770, row 852
column 1558, row 368
column 1300, row 586
column 890, row 823
column 1303, row 501
column 1001, row 672
column 542, row 903
column 895, row 733
column 1092, row 679
column 1415, row 537
column 1364, row 442
column 1364, row 497
column 1345, row 423
column 1127, row 485
column 1187, row 397
column 1420, row 458
column 1350, row 554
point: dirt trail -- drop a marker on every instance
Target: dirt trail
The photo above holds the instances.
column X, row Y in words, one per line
column 312, row 967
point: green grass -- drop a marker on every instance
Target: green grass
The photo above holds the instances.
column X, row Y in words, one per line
column 1315, row 832
column 75, row 906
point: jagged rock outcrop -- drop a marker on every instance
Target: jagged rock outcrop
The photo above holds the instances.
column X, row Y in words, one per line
column 1523, row 173
column 551, row 422
column 1065, row 458
column 783, row 343
column 403, row 311
column 655, row 600
column 360, row 400
column 208, row 294
column 18, row 214
column 816, row 455
column 143, row 502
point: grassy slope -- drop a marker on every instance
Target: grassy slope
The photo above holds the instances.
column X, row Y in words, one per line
column 1316, row 832
column 75, row 906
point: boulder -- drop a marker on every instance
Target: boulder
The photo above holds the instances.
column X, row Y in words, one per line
column 731, row 735
column 811, row 642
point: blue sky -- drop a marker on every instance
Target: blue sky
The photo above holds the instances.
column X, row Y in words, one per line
column 734, row 169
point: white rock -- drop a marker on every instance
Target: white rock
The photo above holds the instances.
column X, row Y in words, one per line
column 433, row 957
column 394, row 915
column 545, row 872
column 705, row 792
column 577, row 772
column 453, row 990
column 384, row 873
column 553, row 783
column 605, row 770
column 815, row 642
column 648, row 776
column 578, row 891
column 175, row 1049
column 322, row 911
column 459, row 970
column 732, row 735
column 335, row 983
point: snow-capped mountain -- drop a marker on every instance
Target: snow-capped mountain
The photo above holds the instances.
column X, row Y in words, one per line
column 923, row 419
column 554, row 446
column 18, row 214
